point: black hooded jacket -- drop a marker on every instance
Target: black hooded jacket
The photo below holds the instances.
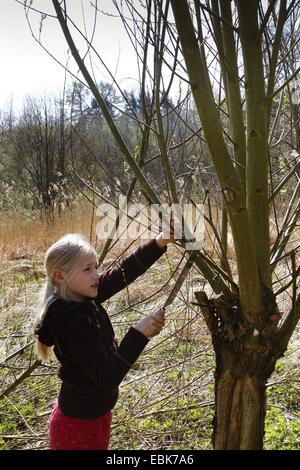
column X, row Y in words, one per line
column 92, row 365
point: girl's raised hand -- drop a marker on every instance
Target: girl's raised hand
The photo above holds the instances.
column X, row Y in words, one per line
column 171, row 232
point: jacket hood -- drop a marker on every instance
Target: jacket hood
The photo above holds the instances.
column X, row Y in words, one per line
column 56, row 313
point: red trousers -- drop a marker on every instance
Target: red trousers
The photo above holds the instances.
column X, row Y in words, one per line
column 67, row 433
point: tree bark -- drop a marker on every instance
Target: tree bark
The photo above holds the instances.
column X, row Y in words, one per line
column 245, row 359
column 240, row 399
column 256, row 142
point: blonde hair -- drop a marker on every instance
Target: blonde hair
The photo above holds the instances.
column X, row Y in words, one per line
column 68, row 253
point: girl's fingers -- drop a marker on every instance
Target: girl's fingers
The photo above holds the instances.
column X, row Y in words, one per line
column 159, row 317
column 159, row 323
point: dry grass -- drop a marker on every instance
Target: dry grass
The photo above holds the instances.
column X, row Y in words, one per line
column 24, row 238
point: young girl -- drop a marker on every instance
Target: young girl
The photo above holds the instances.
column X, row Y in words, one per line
column 74, row 324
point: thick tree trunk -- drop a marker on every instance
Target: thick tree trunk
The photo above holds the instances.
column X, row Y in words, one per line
column 245, row 359
column 240, row 400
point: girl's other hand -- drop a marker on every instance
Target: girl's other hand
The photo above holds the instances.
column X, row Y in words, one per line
column 152, row 324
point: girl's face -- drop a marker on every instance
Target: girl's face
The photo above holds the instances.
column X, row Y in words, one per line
column 85, row 281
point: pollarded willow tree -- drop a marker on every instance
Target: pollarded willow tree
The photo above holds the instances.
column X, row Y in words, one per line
column 246, row 331
column 240, row 59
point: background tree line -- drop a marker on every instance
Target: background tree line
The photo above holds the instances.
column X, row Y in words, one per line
column 51, row 143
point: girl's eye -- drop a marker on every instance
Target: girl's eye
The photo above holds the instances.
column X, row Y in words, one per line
column 86, row 269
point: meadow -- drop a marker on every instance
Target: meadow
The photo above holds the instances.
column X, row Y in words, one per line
column 167, row 399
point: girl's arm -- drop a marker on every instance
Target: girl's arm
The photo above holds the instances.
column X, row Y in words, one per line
column 105, row 367
column 115, row 279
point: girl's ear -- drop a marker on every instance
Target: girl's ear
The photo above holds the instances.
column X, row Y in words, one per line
column 58, row 276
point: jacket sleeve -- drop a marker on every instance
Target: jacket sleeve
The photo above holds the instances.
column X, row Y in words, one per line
column 105, row 368
column 115, row 279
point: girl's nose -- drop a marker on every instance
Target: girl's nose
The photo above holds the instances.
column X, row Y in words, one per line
column 96, row 274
